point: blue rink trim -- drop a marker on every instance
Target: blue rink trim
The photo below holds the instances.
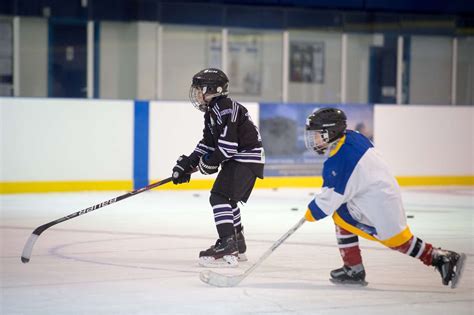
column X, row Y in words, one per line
column 140, row 143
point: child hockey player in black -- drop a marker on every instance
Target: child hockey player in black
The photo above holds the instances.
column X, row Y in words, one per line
column 364, row 199
column 232, row 142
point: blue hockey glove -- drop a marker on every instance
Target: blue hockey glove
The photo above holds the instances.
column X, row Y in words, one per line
column 205, row 168
column 181, row 171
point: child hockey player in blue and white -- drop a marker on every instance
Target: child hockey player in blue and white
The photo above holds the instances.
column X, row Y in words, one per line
column 364, row 200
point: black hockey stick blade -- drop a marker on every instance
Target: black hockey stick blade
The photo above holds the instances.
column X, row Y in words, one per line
column 28, row 249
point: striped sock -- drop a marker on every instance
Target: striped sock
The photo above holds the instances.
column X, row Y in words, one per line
column 348, row 244
column 237, row 221
column 417, row 248
column 224, row 219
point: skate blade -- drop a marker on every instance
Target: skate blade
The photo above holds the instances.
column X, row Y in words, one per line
column 459, row 270
column 351, row 283
column 228, row 261
column 243, row 257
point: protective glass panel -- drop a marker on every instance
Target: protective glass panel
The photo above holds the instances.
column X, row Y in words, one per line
column 6, row 57
column 371, row 68
column 314, row 66
column 255, row 64
column 465, row 71
column 33, row 57
column 428, row 61
column 186, row 51
column 118, row 60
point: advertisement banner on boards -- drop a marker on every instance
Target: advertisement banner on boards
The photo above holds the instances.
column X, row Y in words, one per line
column 282, row 130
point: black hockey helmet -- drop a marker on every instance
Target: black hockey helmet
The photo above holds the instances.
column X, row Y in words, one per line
column 323, row 127
column 208, row 84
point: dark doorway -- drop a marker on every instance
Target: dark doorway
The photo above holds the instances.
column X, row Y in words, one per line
column 67, row 58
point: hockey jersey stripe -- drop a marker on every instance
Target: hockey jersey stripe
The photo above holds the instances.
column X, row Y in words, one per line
column 257, row 161
column 244, row 154
column 249, row 158
column 256, row 150
column 201, row 152
column 226, row 112
column 317, row 213
column 205, row 147
column 228, row 143
column 235, row 111
column 228, row 147
column 224, row 153
column 215, row 109
column 345, row 215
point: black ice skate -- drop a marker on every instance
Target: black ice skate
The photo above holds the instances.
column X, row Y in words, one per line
column 242, row 246
column 450, row 266
column 223, row 254
column 349, row 275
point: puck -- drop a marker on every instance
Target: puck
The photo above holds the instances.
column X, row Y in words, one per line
column 294, row 209
column 410, row 216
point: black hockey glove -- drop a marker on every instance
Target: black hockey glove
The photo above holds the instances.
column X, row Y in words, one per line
column 181, row 171
column 205, row 168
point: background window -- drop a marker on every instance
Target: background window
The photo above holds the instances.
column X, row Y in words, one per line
column 186, row 51
column 371, row 68
column 430, row 60
column 314, row 66
column 33, row 54
column 255, row 64
column 465, row 71
column 118, row 60
column 6, row 57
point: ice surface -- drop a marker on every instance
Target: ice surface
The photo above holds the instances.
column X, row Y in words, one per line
column 139, row 256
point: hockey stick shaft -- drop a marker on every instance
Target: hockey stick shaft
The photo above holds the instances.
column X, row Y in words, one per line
column 274, row 246
column 220, row 280
column 27, row 250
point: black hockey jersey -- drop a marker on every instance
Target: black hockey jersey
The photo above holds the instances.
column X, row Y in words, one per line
column 230, row 134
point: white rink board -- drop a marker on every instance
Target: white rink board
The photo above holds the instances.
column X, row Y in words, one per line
column 66, row 139
column 92, row 140
column 175, row 129
column 425, row 140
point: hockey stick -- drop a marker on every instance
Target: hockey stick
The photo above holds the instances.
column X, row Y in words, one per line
column 220, row 280
column 26, row 254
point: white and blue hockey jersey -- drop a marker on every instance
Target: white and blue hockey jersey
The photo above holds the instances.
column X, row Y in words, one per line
column 359, row 191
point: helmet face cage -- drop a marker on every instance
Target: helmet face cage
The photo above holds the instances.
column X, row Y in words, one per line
column 316, row 140
column 196, row 96
column 206, row 85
